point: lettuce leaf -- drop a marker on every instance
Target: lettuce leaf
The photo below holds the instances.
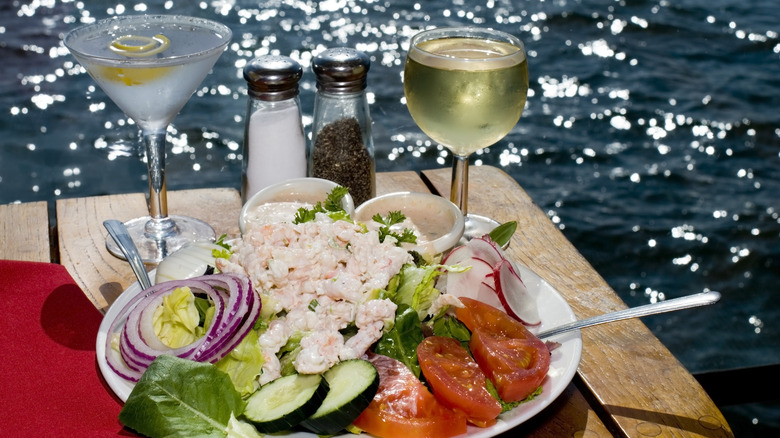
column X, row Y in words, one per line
column 451, row 327
column 241, row 429
column 244, row 364
column 223, row 253
column 181, row 398
column 416, row 287
column 289, row 352
column 206, row 311
column 508, row 406
column 402, row 340
column 176, row 321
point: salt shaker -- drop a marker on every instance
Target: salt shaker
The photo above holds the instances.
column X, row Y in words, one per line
column 274, row 144
column 342, row 149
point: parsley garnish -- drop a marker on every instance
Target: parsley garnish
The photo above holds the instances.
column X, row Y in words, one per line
column 332, row 207
column 306, row 215
column 333, row 202
column 393, row 218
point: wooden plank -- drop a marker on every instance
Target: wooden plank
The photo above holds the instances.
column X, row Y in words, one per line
column 569, row 415
column 24, row 232
column 82, row 236
column 405, row 181
column 640, row 384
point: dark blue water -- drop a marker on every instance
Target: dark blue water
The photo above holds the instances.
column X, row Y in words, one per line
column 651, row 135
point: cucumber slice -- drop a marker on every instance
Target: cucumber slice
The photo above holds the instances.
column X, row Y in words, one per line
column 283, row 403
column 353, row 384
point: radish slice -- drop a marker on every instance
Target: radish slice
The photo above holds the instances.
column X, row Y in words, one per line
column 487, row 250
column 514, row 296
column 464, row 283
column 488, row 295
column 458, row 255
column 491, row 279
column 476, row 282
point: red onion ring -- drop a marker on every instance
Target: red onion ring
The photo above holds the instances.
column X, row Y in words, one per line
column 247, row 312
column 237, row 308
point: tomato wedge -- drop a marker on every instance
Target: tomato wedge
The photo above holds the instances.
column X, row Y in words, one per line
column 403, row 406
column 456, row 379
column 513, row 358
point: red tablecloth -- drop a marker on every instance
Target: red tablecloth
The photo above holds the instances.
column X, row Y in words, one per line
column 50, row 385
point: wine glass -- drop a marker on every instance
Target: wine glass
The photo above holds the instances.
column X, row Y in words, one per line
column 466, row 89
column 150, row 65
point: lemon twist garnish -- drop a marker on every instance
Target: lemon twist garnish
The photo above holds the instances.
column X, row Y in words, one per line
column 136, row 46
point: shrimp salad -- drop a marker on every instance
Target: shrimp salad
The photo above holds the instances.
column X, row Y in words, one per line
column 331, row 290
column 318, row 280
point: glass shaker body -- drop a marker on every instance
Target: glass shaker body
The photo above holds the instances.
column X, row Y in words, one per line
column 274, row 143
column 342, row 148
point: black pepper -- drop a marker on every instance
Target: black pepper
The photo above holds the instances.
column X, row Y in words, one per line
column 340, row 155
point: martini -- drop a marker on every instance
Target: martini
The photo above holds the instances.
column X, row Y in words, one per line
column 149, row 66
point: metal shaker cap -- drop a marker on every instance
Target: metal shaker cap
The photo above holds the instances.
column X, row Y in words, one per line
column 273, row 78
column 341, row 70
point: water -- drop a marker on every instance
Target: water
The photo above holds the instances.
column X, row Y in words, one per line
column 651, row 135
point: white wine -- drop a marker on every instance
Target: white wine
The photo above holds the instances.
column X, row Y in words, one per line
column 465, row 93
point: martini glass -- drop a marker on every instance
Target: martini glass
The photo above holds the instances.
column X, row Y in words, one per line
column 150, row 65
column 466, row 89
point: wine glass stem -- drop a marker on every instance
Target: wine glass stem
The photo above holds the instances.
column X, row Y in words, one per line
column 160, row 226
column 459, row 189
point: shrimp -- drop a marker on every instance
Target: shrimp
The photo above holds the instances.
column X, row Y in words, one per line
column 370, row 321
column 275, row 336
column 334, row 314
column 302, row 319
column 342, row 287
column 319, row 352
column 272, row 369
column 375, row 311
column 230, row 267
column 271, row 341
column 444, row 300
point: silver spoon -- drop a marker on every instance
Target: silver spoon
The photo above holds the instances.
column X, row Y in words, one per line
column 695, row 300
column 122, row 238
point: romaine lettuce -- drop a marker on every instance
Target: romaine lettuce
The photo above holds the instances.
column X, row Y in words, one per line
column 451, row 327
column 181, row 398
column 402, row 340
column 415, row 287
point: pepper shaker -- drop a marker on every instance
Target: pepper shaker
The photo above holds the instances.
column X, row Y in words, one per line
column 342, row 149
column 274, row 144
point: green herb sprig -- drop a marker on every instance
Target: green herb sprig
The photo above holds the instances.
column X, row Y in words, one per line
column 503, row 233
column 332, row 207
column 394, row 217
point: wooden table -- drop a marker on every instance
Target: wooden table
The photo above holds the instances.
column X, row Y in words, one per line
column 627, row 384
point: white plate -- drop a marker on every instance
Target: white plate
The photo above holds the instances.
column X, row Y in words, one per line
column 553, row 310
